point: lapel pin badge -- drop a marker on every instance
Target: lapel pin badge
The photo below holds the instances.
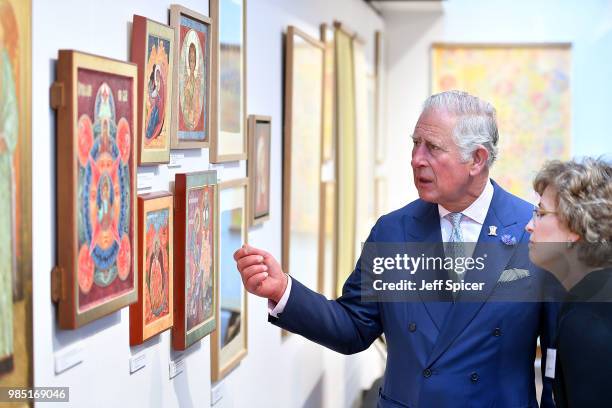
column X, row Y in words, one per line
column 492, row 230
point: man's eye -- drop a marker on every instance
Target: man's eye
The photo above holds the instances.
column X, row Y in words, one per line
column 431, row 146
column 415, row 142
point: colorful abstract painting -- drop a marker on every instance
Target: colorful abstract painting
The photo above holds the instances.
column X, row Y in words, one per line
column 199, row 257
column 529, row 85
column 157, row 264
column 105, row 232
column 193, row 70
column 157, row 111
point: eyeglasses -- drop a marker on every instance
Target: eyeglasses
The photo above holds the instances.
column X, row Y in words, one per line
column 539, row 213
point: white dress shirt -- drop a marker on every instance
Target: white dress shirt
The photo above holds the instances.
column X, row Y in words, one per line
column 471, row 224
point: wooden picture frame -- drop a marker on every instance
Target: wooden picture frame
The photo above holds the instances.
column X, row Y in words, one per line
column 229, row 343
column 346, row 153
column 260, row 139
column 95, row 98
column 228, row 141
column 152, row 50
column 327, row 245
column 303, row 127
column 16, row 346
column 191, row 118
column 196, row 238
column 154, row 311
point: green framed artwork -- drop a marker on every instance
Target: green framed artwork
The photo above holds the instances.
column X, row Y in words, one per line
column 346, row 152
column 196, row 232
column 229, row 341
column 228, row 112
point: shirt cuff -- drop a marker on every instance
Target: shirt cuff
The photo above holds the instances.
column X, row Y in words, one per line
column 275, row 310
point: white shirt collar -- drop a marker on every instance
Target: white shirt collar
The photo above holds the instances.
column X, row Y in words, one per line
column 477, row 211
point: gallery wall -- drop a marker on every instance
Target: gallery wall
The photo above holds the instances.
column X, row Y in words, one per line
column 587, row 25
column 289, row 372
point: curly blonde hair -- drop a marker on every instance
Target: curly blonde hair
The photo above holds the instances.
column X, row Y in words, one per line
column 584, row 203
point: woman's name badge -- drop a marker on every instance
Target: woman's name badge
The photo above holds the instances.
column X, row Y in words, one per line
column 551, row 357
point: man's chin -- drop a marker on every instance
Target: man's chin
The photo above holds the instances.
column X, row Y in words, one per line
column 427, row 196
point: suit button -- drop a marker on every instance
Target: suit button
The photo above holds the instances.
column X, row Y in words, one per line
column 474, row 377
column 427, row 373
column 497, row 332
column 412, row 327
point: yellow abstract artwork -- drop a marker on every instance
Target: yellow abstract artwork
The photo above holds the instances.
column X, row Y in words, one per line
column 529, row 85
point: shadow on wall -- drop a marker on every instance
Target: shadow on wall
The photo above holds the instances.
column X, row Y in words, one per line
column 315, row 398
column 409, row 28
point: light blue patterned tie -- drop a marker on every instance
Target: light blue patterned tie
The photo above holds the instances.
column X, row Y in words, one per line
column 455, row 248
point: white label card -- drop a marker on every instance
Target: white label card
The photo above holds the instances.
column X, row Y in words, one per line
column 551, row 359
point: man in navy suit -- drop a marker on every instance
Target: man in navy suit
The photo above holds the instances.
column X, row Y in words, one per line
column 477, row 353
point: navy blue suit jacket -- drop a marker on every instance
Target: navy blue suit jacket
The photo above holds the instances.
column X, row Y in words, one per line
column 441, row 354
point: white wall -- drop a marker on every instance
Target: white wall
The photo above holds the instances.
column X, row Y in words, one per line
column 587, row 24
column 275, row 372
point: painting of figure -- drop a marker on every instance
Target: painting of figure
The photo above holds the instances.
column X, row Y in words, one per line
column 199, row 246
column 158, row 60
column 192, row 77
column 15, row 193
column 156, row 276
column 104, row 188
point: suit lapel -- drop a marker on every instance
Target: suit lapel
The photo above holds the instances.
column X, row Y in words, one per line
column 497, row 256
column 424, row 227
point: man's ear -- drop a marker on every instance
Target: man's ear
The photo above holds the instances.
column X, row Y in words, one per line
column 480, row 156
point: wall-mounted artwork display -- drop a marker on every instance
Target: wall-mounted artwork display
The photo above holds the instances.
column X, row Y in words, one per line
column 96, row 179
column 153, row 313
column 228, row 118
column 327, row 246
column 192, row 80
column 229, row 341
column 529, row 85
column 303, row 128
column 15, row 195
column 152, row 48
column 379, row 57
column 260, row 136
column 346, row 152
column 196, row 229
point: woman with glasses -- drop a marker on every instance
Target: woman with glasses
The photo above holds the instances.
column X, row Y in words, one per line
column 571, row 234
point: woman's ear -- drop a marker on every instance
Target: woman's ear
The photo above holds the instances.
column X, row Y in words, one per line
column 480, row 156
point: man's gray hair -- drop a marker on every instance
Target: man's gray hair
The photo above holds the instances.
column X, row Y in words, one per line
column 476, row 121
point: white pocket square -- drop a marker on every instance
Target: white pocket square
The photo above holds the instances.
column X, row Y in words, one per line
column 513, row 274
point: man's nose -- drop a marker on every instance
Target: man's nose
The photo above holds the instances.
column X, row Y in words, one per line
column 529, row 227
column 418, row 157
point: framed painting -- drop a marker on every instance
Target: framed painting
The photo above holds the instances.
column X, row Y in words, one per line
column 191, row 79
column 16, row 362
column 228, row 114
column 346, row 153
column 229, row 341
column 95, row 98
column 327, row 246
column 152, row 51
column 196, row 230
column 154, row 312
column 260, row 136
column 303, row 127
column 530, row 84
